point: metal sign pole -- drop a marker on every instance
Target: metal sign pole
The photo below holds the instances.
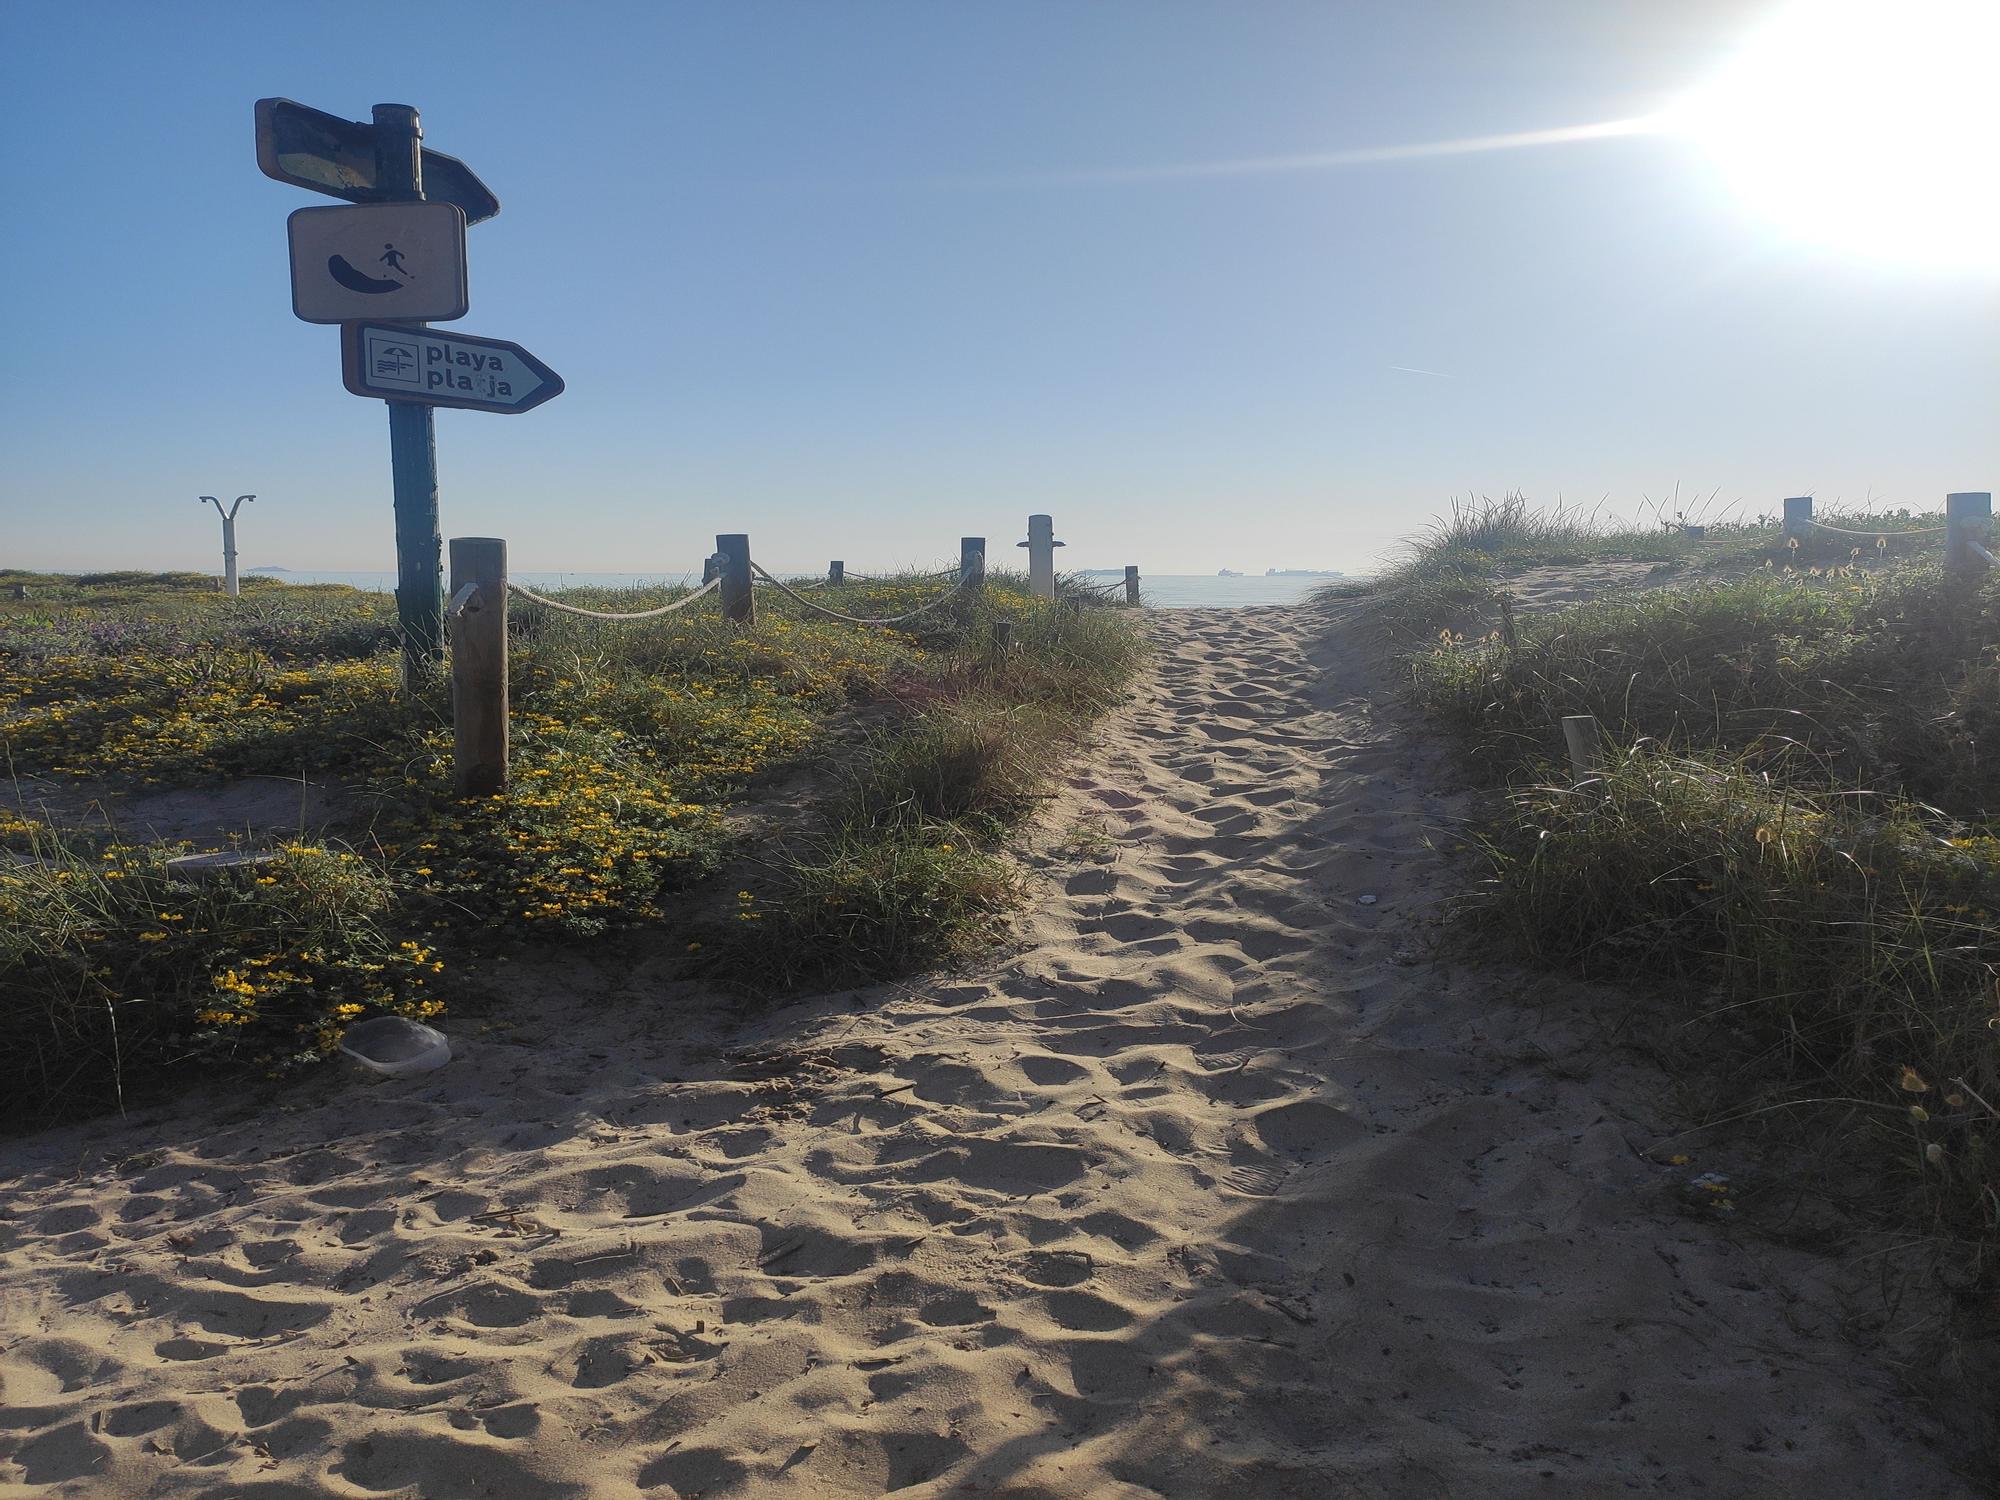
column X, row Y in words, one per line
column 399, row 139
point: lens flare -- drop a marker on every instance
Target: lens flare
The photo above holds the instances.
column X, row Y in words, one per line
column 1862, row 125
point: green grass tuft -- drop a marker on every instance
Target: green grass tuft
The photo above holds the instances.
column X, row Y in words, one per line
column 1795, row 830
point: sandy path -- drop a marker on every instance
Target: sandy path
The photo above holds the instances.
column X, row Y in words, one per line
column 1212, row 1187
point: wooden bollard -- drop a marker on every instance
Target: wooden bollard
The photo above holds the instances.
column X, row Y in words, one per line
column 739, row 601
column 711, row 568
column 1131, row 584
column 836, row 574
column 1041, row 545
column 1968, row 520
column 477, row 629
column 1798, row 517
column 1586, row 746
column 972, row 560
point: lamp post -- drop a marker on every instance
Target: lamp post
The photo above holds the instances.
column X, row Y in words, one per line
column 228, row 540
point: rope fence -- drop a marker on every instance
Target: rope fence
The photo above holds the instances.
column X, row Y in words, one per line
column 1964, row 513
column 604, row 614
column 1880, row 535
column 880, row 578
column 481, row 587
column 964, row 581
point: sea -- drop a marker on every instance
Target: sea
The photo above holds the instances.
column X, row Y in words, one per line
column 1166, row 591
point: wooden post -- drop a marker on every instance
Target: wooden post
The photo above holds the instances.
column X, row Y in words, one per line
column 738, row 598
column 478, row 630
column 1041, row 545
column 1968, row 518
column 1131, row 584
column 1003, row 637
column 1586, row 746
column 1798, row 517
column 836, row 574
column 972, row 560
column 711, row 568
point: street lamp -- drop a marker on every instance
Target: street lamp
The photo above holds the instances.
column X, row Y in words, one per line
column 228, row 539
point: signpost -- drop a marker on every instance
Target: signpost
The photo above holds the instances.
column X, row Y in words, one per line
column 379, row 260
column 382, row 270
column 312, row 149
column 443, row 369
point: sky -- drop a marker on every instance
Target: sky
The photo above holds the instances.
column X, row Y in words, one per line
column 860, row 278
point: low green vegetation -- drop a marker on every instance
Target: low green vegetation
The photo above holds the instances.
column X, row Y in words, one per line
column 1449, row 575
column 901, row 870
column 633, row 744
column 1792, row 829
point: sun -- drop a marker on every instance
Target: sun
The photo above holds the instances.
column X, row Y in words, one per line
column 1870, row 126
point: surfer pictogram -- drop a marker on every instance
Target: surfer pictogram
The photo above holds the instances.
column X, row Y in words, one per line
column 343, row 271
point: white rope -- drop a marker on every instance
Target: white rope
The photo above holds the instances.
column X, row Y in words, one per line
column 1912, row 531
column 834, row 614
column 885, row 578
column 1982, row 552
column 601, row 614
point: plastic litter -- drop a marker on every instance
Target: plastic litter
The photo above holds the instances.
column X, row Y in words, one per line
column 396, row 1047
column 1366, row 900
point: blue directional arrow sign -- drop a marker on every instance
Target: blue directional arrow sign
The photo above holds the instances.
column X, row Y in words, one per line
column 396, row 362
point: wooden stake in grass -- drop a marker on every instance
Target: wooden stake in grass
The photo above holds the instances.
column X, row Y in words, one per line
column 972, row 560
column 738, row 601
column 1798, row 516
column 1586, row 745
column 478, row 631
column 1131, row 584
column 1968, row 519
column 836, row 574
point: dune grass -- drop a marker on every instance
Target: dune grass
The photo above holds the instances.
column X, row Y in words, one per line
column 632, row 745
column 1793, row 831
column 1447, row 575
column 901, row 870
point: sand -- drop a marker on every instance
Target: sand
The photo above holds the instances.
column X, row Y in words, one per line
column 1212, row 1182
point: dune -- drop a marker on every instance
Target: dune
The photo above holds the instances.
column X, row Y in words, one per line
column 1211, row 1182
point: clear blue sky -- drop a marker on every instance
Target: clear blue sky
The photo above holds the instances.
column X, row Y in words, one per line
column 860, row 277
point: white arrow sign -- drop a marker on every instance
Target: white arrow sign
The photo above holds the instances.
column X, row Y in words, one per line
column 437, row 368
column 379, row 260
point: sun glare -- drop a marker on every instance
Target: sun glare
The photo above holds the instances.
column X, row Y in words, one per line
column 1866, row 125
